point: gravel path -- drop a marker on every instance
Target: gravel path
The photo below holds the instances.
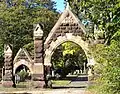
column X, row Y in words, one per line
column 52, row 91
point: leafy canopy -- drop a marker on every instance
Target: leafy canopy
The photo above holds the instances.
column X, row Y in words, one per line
column 104, row 14
column 18, row 17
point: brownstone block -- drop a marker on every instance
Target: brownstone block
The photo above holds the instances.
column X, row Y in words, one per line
column 63, row 27
column 70, row 31
column 63, row 34
column 7, row 83
column 58, row 34
column 38, row 84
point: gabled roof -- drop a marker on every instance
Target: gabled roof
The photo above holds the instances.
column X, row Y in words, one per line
column 21, row 52
column 66, row 12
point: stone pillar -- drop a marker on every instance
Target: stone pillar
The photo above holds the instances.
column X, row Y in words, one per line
column 84, row 70
column 48, row 69
column 91, row 63
column 38, row 67
column 90, row 74
column 7, row 78
column 47, row 76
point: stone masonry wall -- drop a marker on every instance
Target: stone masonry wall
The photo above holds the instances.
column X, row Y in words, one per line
column 68, row 25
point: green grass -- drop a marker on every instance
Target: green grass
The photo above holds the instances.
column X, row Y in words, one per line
column 61, row 82
column 24, row 84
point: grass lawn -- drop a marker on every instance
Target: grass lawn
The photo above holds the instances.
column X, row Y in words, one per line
column 60, row 82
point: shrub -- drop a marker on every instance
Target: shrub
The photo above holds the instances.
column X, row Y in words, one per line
column 23, row 75
column 107, row 67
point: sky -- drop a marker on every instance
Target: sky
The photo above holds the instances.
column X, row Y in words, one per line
column 60, row 5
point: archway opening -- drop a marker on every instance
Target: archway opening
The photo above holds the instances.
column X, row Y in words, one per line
column 69, row 60
column 22, row 75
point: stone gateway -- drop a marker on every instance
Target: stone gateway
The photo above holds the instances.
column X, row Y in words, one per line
column 67, row 28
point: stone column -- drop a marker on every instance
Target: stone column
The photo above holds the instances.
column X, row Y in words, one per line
column 48, row 76
column 84, row 71
column 38, row 67
column 7, row 78
column 90, row 74
column 91, row 63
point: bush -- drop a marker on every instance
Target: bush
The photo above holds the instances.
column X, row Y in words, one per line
column 107, row 67
column 23, row 75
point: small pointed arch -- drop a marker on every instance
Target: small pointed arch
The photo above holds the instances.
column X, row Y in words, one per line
column 22, row 54
column 22, row 62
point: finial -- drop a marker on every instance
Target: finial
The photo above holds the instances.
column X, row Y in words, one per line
column 38, row 32
column 67, row 5
column 7, row 50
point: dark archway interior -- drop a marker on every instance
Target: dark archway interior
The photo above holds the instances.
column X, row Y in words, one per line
column 22, row 67
column 24, row 72
column 69, row 59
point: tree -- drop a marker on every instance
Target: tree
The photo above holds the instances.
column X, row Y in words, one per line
column 18, row 17
column 104, row 14
column 67, row 58
column 108, row 66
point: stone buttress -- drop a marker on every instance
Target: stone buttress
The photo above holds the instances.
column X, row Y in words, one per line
column 8, row 77
column 38, row 67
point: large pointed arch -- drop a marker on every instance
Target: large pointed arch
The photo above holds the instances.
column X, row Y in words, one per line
column 68, row 37
column 67, row 28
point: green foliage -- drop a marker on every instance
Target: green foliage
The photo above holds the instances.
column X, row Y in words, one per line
column 69, row 48
column 104, row 13
column 30, row 48
column 108, row 66
column 68, row 57
column 17, row 20
column 23, row 75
